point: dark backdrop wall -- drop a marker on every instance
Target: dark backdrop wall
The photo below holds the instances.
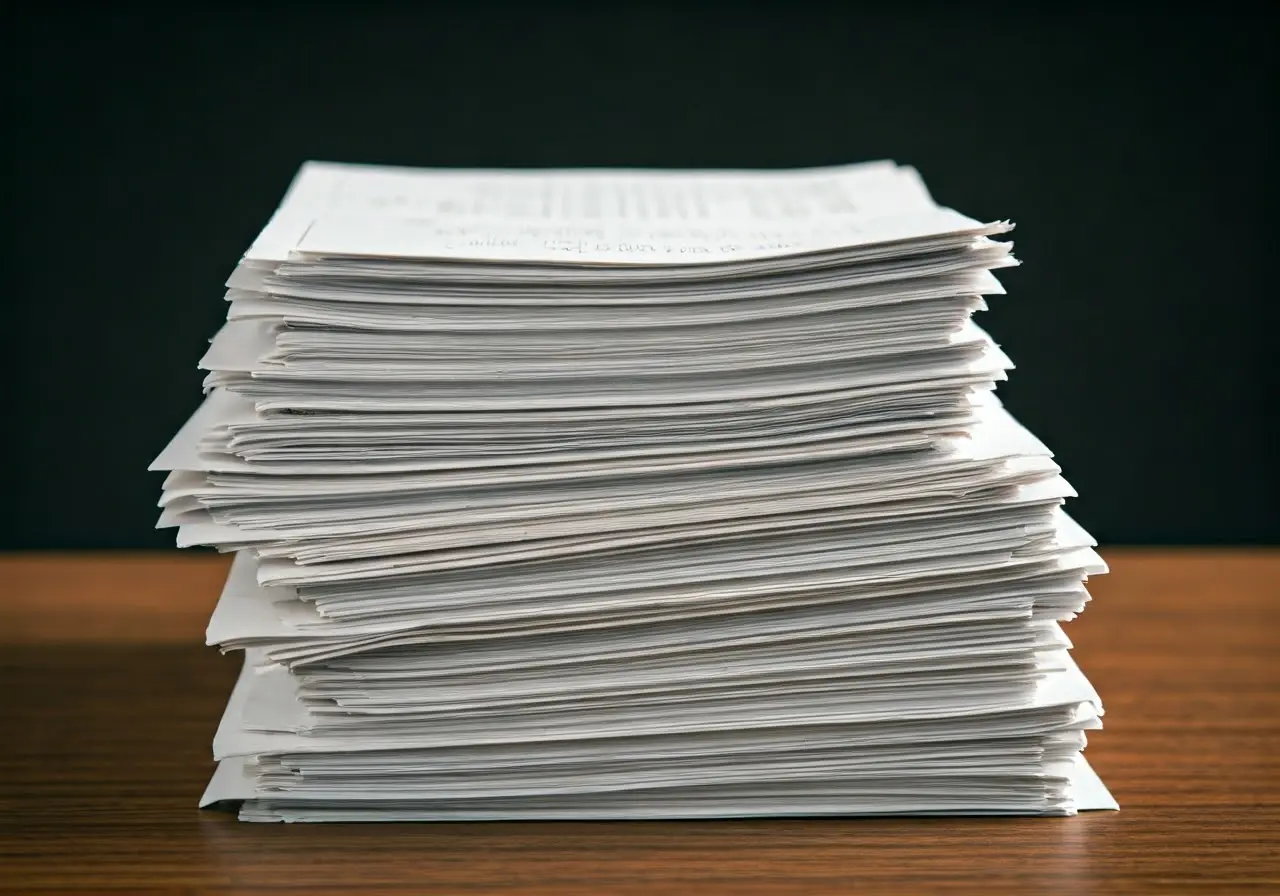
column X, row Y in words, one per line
column 1137, row 151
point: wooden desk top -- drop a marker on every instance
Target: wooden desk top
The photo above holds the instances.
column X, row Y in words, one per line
column 112, row 703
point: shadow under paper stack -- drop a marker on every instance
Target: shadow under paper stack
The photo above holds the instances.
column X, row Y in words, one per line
column 630, row 494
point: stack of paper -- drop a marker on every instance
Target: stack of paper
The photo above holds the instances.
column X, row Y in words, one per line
column 631, row 494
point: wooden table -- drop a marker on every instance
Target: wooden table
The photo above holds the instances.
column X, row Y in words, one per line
column 112, row 702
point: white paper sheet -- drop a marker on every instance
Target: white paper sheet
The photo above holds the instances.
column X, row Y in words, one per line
column 630, row 494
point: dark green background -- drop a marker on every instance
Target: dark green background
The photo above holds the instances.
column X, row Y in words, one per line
column 1137, row 151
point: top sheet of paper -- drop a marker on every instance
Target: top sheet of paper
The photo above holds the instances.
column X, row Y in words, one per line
column 597, row 216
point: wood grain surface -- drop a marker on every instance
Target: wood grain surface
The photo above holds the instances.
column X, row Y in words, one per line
column 111, row 702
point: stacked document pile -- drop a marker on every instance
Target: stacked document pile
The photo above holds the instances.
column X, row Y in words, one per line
column 628, row 494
